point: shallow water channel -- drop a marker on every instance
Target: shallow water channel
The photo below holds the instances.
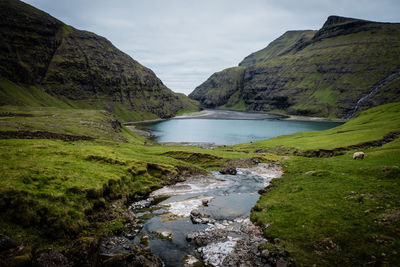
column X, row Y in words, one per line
column 219, row 204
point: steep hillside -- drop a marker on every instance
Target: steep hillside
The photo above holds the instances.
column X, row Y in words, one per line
column 220, row 88
column 283, row 45
column 77, row 67
column 347, row 66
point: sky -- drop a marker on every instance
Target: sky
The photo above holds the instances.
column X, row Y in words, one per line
column 186, row 41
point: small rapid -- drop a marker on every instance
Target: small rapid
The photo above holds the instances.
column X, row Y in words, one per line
column 205, row 219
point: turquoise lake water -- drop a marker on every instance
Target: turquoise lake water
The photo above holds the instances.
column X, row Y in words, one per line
column 229, row 132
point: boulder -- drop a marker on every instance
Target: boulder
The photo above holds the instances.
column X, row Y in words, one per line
column 6, row 243
column 85, row 251
column 198, row 217
column 228, row 170
column 50, row 258
column 18, row 256
column 191, row 261
column 138, row 257
column 358, row 155
column 163, row 234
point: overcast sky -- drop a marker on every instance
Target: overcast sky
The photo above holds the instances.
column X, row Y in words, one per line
column 185, row 41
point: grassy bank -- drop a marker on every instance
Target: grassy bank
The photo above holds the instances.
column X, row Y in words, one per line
column 52, row 189
column 370, row 125
column 336, row 210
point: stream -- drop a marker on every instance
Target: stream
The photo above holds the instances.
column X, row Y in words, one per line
column 205, row 219
column 378, row 86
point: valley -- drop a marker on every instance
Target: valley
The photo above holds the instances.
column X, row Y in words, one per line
column 255, row 168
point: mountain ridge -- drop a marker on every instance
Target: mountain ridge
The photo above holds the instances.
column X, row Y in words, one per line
column 79, row 67
column 322, row 73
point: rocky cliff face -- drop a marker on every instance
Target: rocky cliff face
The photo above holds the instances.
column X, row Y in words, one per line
column 315, row 73
column 78, row 66
column 221, row 88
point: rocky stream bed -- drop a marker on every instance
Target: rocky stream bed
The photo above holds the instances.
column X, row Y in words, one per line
column 203, row 221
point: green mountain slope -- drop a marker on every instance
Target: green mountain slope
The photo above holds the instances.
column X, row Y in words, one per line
column 322, row 73
column 283, row 45
column 76, row 67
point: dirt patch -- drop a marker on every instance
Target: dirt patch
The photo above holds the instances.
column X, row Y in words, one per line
column 116, row 125
column 42, row 135
column 243, row 163
column 193, row 157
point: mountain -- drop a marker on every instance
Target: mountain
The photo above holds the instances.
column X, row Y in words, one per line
column 46, row 62
column 347, row 66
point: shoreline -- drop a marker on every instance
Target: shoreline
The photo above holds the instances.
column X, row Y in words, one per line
column 306, row 118
column 212, row 114
column 144, row 133
column 129, row 123
column 221, row 114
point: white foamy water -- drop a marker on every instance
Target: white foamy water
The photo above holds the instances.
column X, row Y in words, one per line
column 184, row 207
column 197, row 184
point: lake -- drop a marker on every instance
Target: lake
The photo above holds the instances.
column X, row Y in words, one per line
column 241, row 127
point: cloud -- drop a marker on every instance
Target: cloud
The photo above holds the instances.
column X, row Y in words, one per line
column 185, row 41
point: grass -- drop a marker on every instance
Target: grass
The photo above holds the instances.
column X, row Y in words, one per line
column 13, row 94
column 51, row 189
column 95, row 123
column 66, row 181
column 188, row 112
column 240, row 106
column 325, row 211
column 370, row 125
column 126, row 115
column 277, row 47
column 323, row 202
column 52, row 185
column 336, row 210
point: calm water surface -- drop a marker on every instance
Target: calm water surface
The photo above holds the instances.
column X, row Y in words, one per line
column 229, row 132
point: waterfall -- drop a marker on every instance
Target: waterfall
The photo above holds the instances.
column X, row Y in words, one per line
column 380, row 84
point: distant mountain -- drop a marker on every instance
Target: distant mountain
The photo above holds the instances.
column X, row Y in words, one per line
column 347, row 66
column 46, row 62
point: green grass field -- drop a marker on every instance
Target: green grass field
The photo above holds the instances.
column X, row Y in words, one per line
column 326, row 211
column 336, row 210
